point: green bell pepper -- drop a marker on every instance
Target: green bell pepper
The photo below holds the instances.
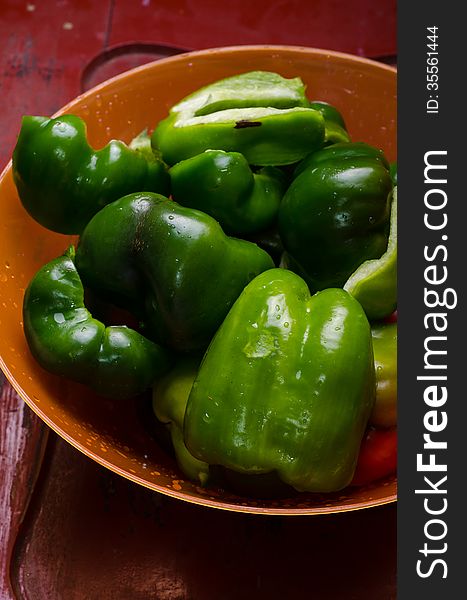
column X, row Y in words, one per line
column 287, row 385
column 62, row 182
column 374, row 283
column 222, row 185
column 171, row 266
column 335, row 214
column 170, row 396
column 393, row 172
column 117, row 362
column 334, row 126
column 261, row 115
column 385, row 352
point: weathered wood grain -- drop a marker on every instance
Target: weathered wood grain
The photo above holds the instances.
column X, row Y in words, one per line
column 22, row 441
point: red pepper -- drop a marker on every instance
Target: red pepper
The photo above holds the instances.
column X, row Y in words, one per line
column 378, row 456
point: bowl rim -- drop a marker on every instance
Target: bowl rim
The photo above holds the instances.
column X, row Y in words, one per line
column 217, row 50
column 181, row 495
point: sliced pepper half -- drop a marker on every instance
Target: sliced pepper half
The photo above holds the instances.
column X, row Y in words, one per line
column 260, row 114
column 374, row 283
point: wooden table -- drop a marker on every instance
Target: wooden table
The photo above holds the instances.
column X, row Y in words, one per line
column 70, row 529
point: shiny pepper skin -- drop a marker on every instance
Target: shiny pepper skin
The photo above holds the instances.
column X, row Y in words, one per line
column 170, row 265
column 287, row 385
column 65, row 339
column 62, row 182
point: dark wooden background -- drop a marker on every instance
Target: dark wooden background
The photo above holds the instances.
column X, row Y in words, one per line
column 70, row 530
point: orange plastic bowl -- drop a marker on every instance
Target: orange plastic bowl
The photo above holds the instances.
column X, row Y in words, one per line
column 116, row 434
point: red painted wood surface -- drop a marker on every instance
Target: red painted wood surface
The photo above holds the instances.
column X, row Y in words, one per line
column 22, row 442
column 86, row 533
column 359, row 27
column 48, row 47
